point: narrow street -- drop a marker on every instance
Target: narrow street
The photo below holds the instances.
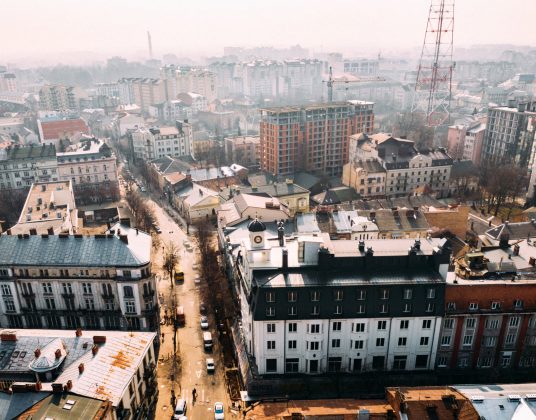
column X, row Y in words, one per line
column 193, row 373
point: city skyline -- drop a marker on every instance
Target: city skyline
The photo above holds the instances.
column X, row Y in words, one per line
column 175, row 28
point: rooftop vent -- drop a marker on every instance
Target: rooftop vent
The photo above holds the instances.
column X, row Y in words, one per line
column 477, row 399
column 514, row 397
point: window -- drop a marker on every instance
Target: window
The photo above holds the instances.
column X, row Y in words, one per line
column 128, row 292
column 485, row 362
column 470, row 322
column 361, row 294
column 360, row 309
column 338, row 310
column 86, row 287
column 495, row 306
column 292, row 296
column 430, row 293
column 424, row 341
column 47, row 288
column 334, row 364
column 291, row 365
column 292, row 311
column 315, row 296
column 358, row 327
column 430, row 307
column 514, row 321
column 270, row 297
column 384, row 294
column 358, row 344
column 338, row 294
column 426, row 324
column 408, row 293
column 315, row 310
column 378, row 362
column 510, row 339
column 270, row 311
column 314, row 345
column 67, row 288
column 404, row 324
column 402, row 341
column 337, row 326
column 380, row 342
column 271, row 365
column 130, row 307
column 445, row 340
column 10, row 305
column 442, row 361
column 292, row 344
column 489, row 341
column 467, row 340
column 292, row 327
column 448, row 323
column 463, row 362
column 505, row 360
column 421, row 361
column 382, row 325
column 407, row 307
column 384, row 308
column 518, row 304
column 399, row 362
column 270, row 345
column 451, row 306
column 492, row 324
column 336, row 343
column 473, row 306
column 6, row 290
column 314, row 328
column 50, row 303
column 270, row 328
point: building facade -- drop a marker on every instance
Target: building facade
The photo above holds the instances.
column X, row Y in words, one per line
column 465, row 140
column 157, row 142
column 59, row 98
column 244, row 150
column 311, row 138
column 65, row 281
column 311, row 305
column 20, row 167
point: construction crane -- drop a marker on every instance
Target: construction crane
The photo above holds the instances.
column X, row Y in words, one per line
column 330, row 82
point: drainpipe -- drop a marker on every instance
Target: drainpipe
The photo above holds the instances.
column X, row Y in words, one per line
column 327, row 349
column 388, row 343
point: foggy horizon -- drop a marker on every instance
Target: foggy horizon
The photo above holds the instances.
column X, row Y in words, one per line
column 71, row 32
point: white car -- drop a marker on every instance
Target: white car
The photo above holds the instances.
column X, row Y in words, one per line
column 218, row 411
column 204, row 323
column 210, row 365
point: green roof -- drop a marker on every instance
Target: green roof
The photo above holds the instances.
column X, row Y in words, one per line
column 32, row 152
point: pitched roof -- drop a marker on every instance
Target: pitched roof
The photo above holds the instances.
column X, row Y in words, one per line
column 514, row 230
column 32, row 152
column 60, row 128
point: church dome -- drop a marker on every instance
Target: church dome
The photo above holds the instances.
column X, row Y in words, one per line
column 256, row 226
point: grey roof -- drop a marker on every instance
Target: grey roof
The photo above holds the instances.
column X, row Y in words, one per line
column 278, row 189
column 336, row 196
column 515, row 230
column 13, row 405
column 88, row 251
column 167, row 165
column 370, row 165
column 306, row 180
column 32, row 152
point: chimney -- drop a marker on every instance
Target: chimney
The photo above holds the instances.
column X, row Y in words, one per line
column 7, row 336
column 99, row 339
column 78, row 332
column 94, row 349
column 69, row 385
column 516, row 249
column 81, row 368
column 281, row 233
column 285, row 259
column 409, row 213
column 9, row 232
column 361, row 246
column 37, row 352
column 370, row 252
column 57, row 353
column 33, row 231
column 50, row 231
column 124, row 238
column 417, row 244
column 57, row 388
column 372, row 215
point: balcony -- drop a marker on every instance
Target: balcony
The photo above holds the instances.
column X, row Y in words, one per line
column 30, row 294
column 67, row 295
column 148, row 294
column 108, row 296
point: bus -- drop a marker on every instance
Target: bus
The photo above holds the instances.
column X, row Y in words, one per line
column 180, row 320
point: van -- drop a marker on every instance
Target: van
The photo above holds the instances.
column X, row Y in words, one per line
column 180, row 319
column 180, row 409
column 207, row 340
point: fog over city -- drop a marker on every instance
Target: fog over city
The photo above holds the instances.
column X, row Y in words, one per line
column 289, row 209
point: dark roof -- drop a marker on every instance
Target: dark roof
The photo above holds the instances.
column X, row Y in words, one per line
column 88, row 251
column 407, row 219
column 370, row 165
column 168, row 165
column 32, row 152
column 278, row 189
column 514, row 231
column 336, row 196
column 12, row 405
column 256, row 226
column 306, row 180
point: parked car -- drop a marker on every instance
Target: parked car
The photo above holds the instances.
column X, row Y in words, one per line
column 218, row 411
column 207, row 341
column 157, row 229
column 204, row 323
column 180, row 409
column 210, row 366
column 202, row 309
column 143, row 189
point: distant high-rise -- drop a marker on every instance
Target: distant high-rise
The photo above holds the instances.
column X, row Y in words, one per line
column 150, row 45
column 312, row 138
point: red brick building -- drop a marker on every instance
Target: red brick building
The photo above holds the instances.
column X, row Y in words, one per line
column 311, row 138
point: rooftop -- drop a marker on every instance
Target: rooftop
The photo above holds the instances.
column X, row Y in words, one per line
column 53, row 407
column 58, row 128
column 278, row 189
column 32, row 152
column 88, row 146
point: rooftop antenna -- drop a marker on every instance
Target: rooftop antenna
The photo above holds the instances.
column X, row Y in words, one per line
column 150, row 43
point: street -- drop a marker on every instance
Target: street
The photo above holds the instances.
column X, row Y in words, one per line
column 210, row 387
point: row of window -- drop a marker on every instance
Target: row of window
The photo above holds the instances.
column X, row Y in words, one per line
column 44, row 273
column 338, row 295
column 357, row 327
column 495, row 305
column 383, row 308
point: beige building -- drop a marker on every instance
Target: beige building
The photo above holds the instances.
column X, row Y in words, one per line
column 196, row 202
column 250, row 206
column 366, row 177
column 147, row 92
column 157, row 142
column 60, row 98
column 244, row 150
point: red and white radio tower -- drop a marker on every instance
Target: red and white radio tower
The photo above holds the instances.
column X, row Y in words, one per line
column 434, row 75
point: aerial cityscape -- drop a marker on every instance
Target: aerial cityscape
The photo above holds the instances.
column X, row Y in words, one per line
column 288, row 210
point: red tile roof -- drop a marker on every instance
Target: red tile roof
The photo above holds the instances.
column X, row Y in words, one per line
column 63, row 128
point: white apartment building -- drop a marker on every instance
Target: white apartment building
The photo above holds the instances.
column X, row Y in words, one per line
column 71, row 281
column 20, row 167
column 157, row 142
column 312, row 305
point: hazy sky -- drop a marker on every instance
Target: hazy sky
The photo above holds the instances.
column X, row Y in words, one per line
column 47, row 28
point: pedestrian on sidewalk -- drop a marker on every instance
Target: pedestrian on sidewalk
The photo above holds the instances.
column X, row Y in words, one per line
column 162, row 337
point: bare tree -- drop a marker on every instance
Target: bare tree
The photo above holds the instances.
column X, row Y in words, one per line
column 502, row 183
column 143, row 214
column 11, row 205
column 413, row 127
column 171, row 259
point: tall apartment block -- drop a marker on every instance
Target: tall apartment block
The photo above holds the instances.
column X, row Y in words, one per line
column 311, row 138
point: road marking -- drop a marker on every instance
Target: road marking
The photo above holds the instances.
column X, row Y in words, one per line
column 198, row 373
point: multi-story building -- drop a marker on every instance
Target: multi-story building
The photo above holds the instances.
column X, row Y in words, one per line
column 244, row 150
column 367, row 177
column 157, row 142
column 465, row 139
column 107, row 89
column 60, row 98
column 56, row 129
column 8, row 82
column 301, row 79
column 407, row 171
column 71, row 281
column 90, row 165
column 312, row 305
column 360, row 67
column 194, row 101
column 143, row 92
column 510, row 135
column 171, row 111
column 20, row 167
column 86, row 374
column 313, row 138
column 180, row 80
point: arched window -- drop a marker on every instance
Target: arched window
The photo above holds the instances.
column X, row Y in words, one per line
column 128, row 292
